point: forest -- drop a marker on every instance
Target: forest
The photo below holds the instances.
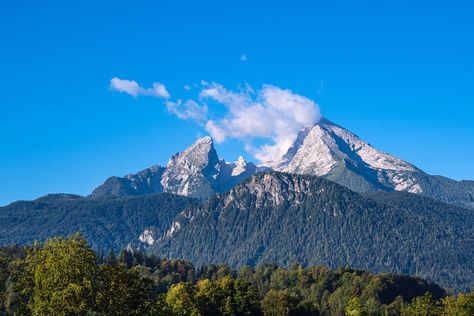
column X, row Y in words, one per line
column 64, row 276
column 328, row 225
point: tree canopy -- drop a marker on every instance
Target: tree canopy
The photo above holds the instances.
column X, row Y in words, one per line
column 64, row 276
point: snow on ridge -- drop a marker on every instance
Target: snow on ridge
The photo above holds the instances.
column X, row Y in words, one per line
column 325, row 144
column 318, row 153
column 320, row 148
column 373, row 157
column 239, row 167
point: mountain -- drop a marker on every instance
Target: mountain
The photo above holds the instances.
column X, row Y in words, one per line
column 333, row 200
column 325, row 149
column 268, row 218
column 284, row 218
column 108, row 223
column 196, row 172
column 144, row 182
column 330, row 151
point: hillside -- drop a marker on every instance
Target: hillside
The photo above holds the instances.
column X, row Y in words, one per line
column 284, row 218
column 108, row 223
column 269, row 218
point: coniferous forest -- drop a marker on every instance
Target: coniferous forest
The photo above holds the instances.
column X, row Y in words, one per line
column 64, row 276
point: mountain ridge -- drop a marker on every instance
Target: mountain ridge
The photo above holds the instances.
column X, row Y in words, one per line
column 324, row 149
column 331, row 151
column 284, row 218
column 271, row 217
column 195, row 172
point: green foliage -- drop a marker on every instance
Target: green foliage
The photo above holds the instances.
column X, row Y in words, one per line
column 460, row 305
column 108, row 223
column 331, row 226
column 182, row 301
column 423, row 306
column 63, row 272
column 355, row 308
column 15, row 288
column 123, row 292
column 63, row 276
column 227, row 296
column 246, row 301
column 280, row 303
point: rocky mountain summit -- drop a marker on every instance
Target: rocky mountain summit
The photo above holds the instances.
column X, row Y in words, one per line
column 209, row 210
column 195, row 172
column 326, row 150
column 144, row 182
column 326, row 147
column 331, row 151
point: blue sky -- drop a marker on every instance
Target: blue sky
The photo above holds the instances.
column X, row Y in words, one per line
column 400, row 74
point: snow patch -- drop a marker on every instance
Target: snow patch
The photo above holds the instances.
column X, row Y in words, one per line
column 148, row 237
column 175, row 226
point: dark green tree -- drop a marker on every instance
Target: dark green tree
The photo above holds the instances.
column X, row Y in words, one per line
column 123, row 292
column 279, row 303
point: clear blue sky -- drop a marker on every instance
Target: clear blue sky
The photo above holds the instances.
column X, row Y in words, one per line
column 400, row 74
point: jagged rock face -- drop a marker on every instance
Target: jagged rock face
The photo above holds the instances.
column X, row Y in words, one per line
column 147, row 180
column 325, row 149
column 330, row 151
column 144, row 182
column 193, row 171
column 196, row 172
column 149, row 236
column 232, row 173
column 271, row 189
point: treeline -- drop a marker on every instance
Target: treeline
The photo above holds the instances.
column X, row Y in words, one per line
column 64, row 276
column 109, row 222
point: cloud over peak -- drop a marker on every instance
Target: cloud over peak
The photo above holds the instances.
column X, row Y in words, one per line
column 188, row 110
column 270, row 116
column 272, row 113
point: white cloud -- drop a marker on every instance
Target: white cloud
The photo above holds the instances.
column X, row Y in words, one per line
column 132, row 88
column 159, row 90
column 243, row 58
column 188, row 110
column 216, row 132
column 273, row 113
column 128, row 86
column 187, row 87
column 270, row 115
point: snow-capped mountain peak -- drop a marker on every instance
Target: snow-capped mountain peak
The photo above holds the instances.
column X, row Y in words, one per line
column 191, row 172
column 328, row 150
column 324, row 149
column 198, row 171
